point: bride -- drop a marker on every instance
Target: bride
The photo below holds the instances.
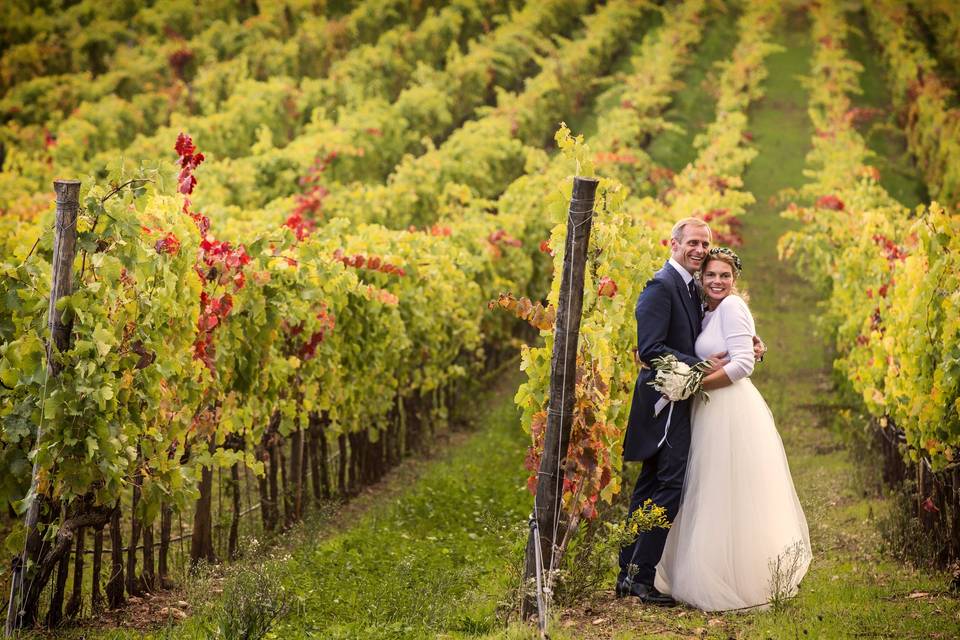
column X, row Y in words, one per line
column 740, row 539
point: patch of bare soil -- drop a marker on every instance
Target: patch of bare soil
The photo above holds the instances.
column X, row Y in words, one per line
column 606, row 616
column 141, row 613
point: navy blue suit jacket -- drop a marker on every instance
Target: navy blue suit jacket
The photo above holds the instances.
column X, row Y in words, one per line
column 668, row 321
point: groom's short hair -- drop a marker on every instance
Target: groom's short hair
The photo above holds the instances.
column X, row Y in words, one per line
column 677, row 233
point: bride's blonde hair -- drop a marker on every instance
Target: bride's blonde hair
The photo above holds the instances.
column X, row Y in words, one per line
column 727, row 256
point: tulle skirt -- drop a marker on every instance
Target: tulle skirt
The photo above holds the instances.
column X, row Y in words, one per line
column 740, row 539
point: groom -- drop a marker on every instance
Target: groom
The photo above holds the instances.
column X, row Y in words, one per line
column 668, row 322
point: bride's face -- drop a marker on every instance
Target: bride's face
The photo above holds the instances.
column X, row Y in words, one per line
column 717, row 279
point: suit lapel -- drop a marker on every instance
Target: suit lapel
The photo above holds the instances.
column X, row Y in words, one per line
column 693, row 315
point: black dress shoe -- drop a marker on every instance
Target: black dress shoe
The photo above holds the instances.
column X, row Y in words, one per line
column 647, row 594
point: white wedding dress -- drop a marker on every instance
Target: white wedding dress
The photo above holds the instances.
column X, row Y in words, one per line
column 740, row 539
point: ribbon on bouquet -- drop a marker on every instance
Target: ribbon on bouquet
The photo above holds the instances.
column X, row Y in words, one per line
column 657, row 408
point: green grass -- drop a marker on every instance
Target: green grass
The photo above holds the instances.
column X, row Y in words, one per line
column 434, row 559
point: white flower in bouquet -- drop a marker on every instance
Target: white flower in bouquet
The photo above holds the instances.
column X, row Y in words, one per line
column 672, row 385
column 677, row 380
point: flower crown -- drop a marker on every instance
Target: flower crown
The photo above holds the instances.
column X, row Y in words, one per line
column 714, row 252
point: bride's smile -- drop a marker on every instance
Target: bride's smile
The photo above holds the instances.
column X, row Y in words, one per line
column 717, row 282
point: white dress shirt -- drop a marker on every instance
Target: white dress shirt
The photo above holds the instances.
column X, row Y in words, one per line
column 686, row 275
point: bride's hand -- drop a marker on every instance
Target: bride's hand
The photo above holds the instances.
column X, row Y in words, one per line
column 759, row 349
column 717, row 361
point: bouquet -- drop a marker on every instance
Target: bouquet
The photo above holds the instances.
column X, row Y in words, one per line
column 677, row 380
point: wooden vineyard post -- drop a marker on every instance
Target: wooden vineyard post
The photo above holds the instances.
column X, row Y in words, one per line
column 96, row 597
column 114, row 587
column 201, row 539
column 295, row 486
column 563, row 363
column 262, row 487
column 166, row 521
column 133, row 585
column 64, row 251
column 55, row 610
column 233, row 544
column 75, row 604
column 324, row 458
column 148, row 576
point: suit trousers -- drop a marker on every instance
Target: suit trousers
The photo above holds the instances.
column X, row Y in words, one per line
column 661, row 481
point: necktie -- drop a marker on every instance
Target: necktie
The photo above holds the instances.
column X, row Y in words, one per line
column 695, row 294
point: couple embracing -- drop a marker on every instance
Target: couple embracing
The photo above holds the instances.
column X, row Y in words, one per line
column 738, row 538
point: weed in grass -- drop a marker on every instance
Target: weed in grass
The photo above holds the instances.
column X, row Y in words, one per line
column 783, row 574
column 589, row 561
column 199, row 584
column 508, row 606
column 253, row 599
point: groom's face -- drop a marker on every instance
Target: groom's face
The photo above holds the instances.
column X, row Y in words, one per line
column 692, row 247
